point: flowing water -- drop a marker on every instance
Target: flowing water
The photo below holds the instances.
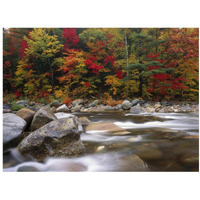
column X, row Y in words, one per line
column 150, row 143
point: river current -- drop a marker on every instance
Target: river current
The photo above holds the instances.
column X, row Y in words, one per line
column 150, row 143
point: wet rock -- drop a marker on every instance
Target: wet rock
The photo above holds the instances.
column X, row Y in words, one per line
column 136, row 109
column 146, row 118
column 106, row 127
column 131, row 163
column 126, row 105
column 77, row 102
column 54, row 103
column 149, row 152
column 28, row 169
column 84, row 120
column 59, row 138
column 100, row 148
column 177, row 135
column 13, row 127
column 26, row 114
column 190, row 160
column 135, row 102
column 61, row 115
column 42, row 117
column 62, row 108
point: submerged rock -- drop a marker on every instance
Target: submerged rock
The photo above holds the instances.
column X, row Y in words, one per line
column 28, row 169
column 106, row 127
column 59, row 138
column 84, row 120
column 13, row 127
column 42, row 117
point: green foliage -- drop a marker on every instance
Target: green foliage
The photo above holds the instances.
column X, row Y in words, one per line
column 16, row 107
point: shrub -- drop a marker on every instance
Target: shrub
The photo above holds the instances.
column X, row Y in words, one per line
column 16, row 107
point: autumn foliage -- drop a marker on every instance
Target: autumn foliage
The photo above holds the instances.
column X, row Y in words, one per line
column 70, row 63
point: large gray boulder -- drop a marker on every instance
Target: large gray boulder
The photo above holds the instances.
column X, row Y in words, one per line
column 13, row 127
column 126, row 105
column 42, row 117
column 59, row 138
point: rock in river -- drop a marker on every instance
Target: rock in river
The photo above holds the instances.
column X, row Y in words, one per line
column 59, row 138
column 42, row 117
column 126, row 105
column 13, row 127
column 106, row 127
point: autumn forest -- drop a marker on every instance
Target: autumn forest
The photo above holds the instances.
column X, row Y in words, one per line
column 106, row 63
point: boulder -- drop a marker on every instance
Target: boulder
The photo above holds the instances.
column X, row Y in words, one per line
column 126, row 105
column 58, row 138
column 26, row 114
column 28, row 169
column 42, row 117
column 135, row 102
column 96, row 102
column 62, row 108
column 157, row 105
column 150, row 109
column 106, row 127
column 61, row 115
column 119, row 107
column 13, row 127
column 77, row 102
column 22, row 103
column 7, row 106
column 136, row 109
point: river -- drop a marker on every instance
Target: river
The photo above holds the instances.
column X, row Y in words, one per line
column 150, row 143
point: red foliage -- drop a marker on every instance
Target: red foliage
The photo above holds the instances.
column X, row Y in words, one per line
column 91, row 65
column 17, row 93
column 67, row 101
column 120, row 74
column 70, row 37
column 109, row 59
column 24, row 45
column 87, row 84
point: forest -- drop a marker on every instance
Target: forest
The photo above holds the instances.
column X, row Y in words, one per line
column 44, row 64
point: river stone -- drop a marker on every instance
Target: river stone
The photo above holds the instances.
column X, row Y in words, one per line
column 26, row 114
column 27, row 169
column 135, row 102
column 126, row 105
column 42, row 117
column 77, row 102
column 150, row 109
column 59, row 138
column 84, row 120
column 190, row 160
column 131, row 163
column 62, row 108
column 157, row 105
column 106, row 127
column 61, row 115
column 13, row 127
column 149, row 152
column 136, row 109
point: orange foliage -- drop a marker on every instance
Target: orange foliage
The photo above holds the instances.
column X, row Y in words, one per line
column 67, row 101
